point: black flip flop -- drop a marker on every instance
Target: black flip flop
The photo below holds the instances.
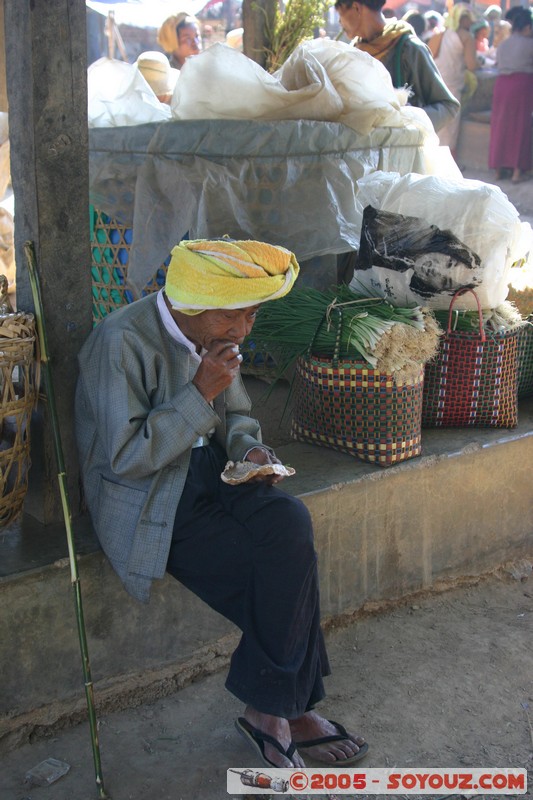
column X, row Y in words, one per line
column 336, row 737
column 257, row 738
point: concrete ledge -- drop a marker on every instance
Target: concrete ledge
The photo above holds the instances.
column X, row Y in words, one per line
column 460, row 510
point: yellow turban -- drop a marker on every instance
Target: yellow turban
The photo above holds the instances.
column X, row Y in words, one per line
column 206, row 274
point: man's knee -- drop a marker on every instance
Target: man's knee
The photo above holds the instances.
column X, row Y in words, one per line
column 299, row 515
column 290, row 521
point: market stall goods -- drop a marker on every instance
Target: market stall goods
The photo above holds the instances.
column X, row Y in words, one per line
column 359, row 367
column 322, row 80
column 350, row 407
column 446, row 234
column 407, row 258
column 506, row 318
column 248, row 179
column 342, row 324
column 473, row 379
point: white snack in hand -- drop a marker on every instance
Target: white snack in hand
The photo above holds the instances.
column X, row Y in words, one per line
column 241, row 471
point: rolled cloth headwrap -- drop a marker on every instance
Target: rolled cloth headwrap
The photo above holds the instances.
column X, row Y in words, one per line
column 205, row 275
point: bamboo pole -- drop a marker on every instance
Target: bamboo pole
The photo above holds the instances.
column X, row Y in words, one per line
column 29, row 251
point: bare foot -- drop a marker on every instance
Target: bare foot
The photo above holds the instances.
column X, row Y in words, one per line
column 279, row 729
column 519, row 176
column 312, row 726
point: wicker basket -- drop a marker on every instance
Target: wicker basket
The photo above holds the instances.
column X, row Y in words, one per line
column 353, row 408
column 525, row 359
column 110, row 251
column 18, row 388
column 258, row 362
column 472, row 381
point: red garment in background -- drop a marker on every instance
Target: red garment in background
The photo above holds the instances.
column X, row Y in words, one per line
column 510, row 122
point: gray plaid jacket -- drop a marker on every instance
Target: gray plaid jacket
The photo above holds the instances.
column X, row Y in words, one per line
column 137, row 417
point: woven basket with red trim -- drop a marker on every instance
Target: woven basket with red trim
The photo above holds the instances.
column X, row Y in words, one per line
column 473, row 379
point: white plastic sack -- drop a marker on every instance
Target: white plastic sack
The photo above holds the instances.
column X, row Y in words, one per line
column 362, row 83
column 477, row 213
column 321, row 80
column 119, row 95
column 222, row 83
column 205, row 177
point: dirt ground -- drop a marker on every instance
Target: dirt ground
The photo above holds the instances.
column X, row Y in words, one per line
column 440, row 681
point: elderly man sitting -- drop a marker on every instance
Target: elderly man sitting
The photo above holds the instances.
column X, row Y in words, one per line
column 160, row 407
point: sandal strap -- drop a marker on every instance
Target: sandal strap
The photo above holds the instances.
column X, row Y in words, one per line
column 335, row 737
column 261, row 737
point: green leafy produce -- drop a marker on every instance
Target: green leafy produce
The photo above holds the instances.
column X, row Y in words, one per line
column 340, row 323
column 292, row 25
column 503, row 318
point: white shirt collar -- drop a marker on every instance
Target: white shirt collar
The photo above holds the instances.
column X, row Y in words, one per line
column 172, row 326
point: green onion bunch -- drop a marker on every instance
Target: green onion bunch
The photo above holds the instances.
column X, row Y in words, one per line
column 505, row 317
column 340, row 323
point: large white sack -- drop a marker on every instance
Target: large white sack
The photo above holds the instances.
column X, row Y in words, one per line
column 222, row 83
column 363, row 84
column 478, row 214
column 119, row 95
column 321, row 80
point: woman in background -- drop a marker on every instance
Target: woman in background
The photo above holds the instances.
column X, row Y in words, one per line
column 434, row 24
column 456, row 54
column 179, row 36
column 512, row 102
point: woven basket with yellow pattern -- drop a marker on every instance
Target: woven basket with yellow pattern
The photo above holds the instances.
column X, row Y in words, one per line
column 348, row 406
